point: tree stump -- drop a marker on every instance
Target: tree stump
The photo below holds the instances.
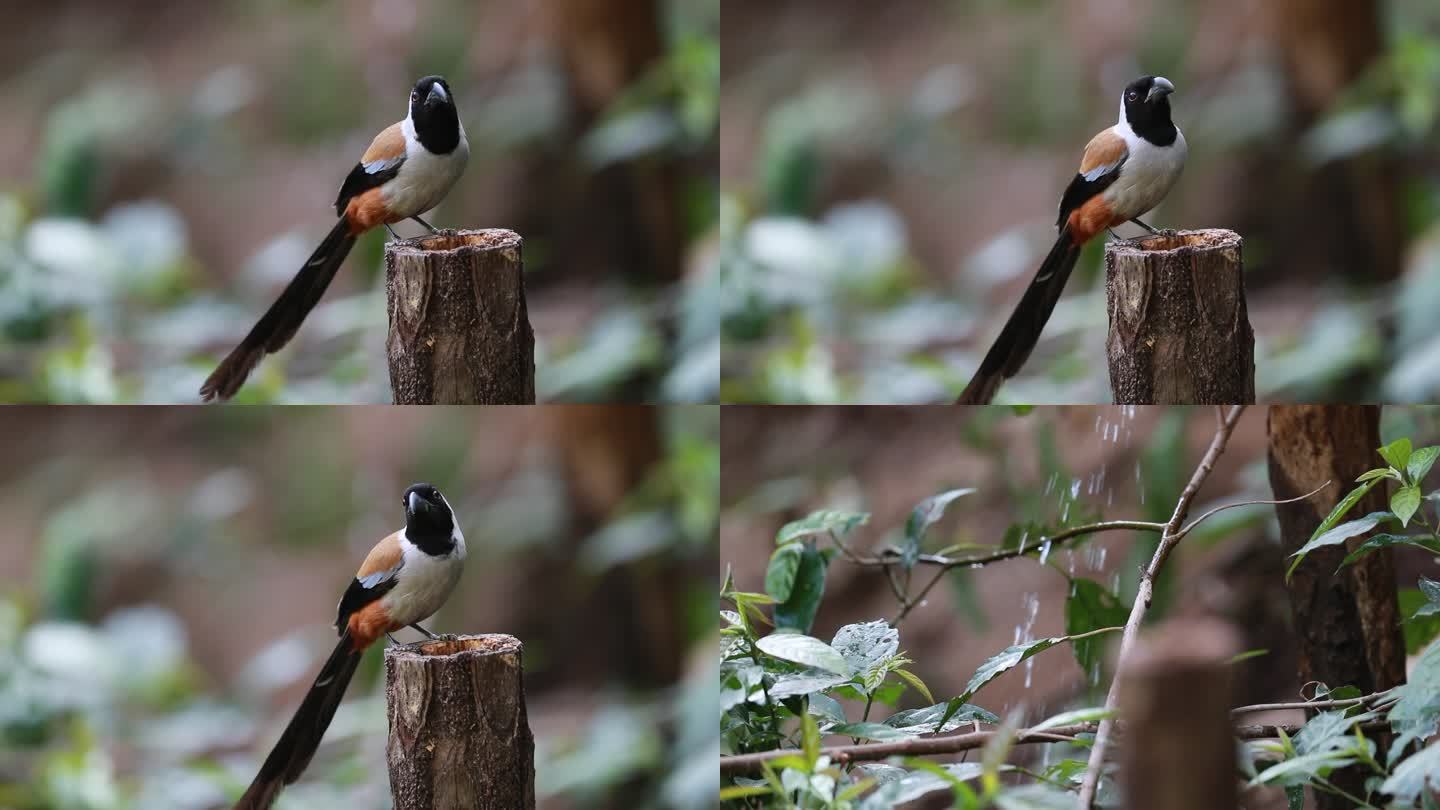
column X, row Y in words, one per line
column 1179, row 747
column 459, row 736
column 1179, row 330
column 459, row 329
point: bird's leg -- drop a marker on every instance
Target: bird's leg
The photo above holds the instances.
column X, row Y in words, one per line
column 426, row 224
column 417, row 626
column 393, row 235
column 1137, row 221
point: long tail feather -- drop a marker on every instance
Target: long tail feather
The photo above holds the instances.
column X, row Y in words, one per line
column 279, row 323
column 297, row 745
column 1012, row 348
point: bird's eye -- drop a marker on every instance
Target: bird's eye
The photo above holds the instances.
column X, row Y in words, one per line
column 1132, row 95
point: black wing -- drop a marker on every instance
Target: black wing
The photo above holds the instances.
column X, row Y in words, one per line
column 1085, row 186
column 362, row 592
column 364, row 177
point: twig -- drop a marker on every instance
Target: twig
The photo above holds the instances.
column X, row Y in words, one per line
column 1145, row 593
column 1197, row 521
column 1020, row 551
column 1309, row 704
column 957, row 743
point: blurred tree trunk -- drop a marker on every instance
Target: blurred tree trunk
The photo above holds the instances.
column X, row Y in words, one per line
column 636, row 207
column 607, row 451
column 1348, row 622
column 1345, row 215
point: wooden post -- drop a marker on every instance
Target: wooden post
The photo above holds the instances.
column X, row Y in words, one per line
column 459, row 737
column 1179, row 331
column 1347, row 621
column 459, row 330
column 1179, row 746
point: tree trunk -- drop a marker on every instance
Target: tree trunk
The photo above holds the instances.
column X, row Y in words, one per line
column 1179, row 330
column 1179, row 747
column 459, row 328
column 1351, row 218
column 459, row 736
column 1348, row 622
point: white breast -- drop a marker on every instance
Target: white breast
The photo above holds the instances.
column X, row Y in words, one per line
column 425, row 582
column 1148, row 174
column 424, row 178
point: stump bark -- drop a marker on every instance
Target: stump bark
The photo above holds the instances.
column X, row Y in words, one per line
column 459, row 736
column 1179, row 329
column 1179, row 747
column 459, row 328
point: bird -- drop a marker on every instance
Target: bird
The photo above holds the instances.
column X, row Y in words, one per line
column 404, row 579
column 409, row 168
column 1125, row 172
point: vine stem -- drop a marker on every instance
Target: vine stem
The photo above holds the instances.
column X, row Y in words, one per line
column 1145, row 593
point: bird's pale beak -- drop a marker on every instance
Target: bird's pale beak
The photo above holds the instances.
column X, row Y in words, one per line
column 1161, row 88
column 437, row 92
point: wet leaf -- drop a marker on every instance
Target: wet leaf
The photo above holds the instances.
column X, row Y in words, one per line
column 802, row 649
column 822, row 522
column 780, row 575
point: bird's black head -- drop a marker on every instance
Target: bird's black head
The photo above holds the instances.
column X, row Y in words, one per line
column 432, row 111
column 1146, row 103
column 429, row 521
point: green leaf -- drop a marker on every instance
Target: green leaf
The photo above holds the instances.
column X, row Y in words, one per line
column 915, row 682
column 1090, row 607
column 826, row 707
column 1304, row 768
column 1422, row 626
column 1247, row 655
column 780, row 575
column 810, row 741
column 1379, row 472
column 1091, row 715
column 1421, row 461
column 1404, row 501
column 866, row 647
column 822, row 522
column 922, row 517
column 798, row 612
column 1397, row 453
column 1034, row 797
column 1412, row 776
column 1338, row 534
column 1345, row 504
column 802, row 649
column 923, row 721
column 807, row 682
column 1295, row 797
column 1431, row 589
column 878, row 732
column 1380, row 541
column 743, row 791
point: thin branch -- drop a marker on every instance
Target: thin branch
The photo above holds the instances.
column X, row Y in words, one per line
column 891, row 559
column 1146, row 592
column 1197, row 521
column 1310, row 704
column 957, row 743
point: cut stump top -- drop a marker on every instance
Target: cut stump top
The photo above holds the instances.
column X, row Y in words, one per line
column 1177, row 243
column 450, row 240
column 450, row 646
